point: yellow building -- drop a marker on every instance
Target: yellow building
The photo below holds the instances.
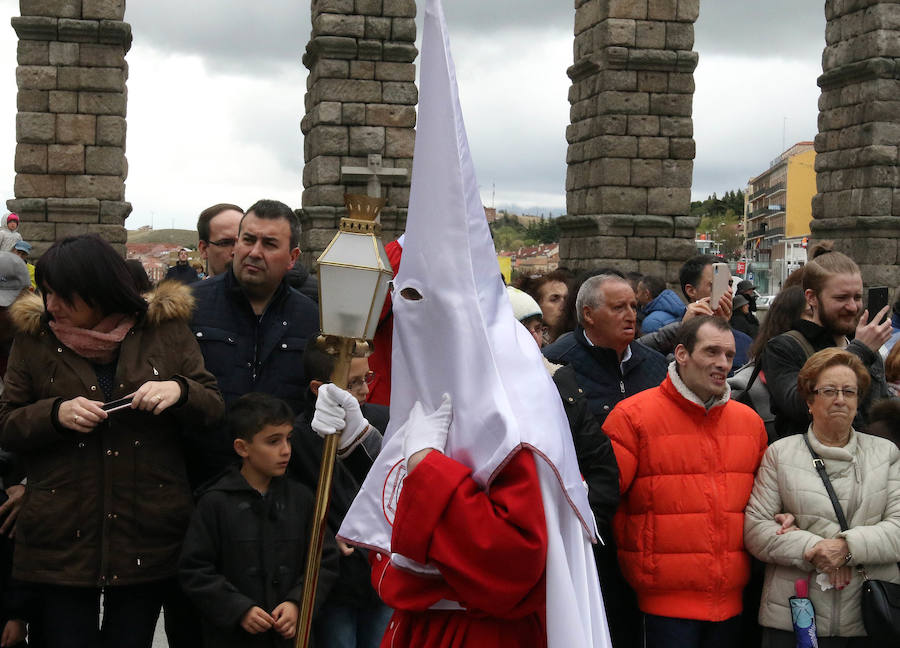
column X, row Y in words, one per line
column 777, row 217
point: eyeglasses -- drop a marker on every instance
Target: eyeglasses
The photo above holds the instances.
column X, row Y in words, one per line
column 538, row 329
column 225, row 242
column 831, row 392
column 357, row 383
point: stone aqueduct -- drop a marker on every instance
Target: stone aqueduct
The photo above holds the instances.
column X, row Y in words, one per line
column 631, row 147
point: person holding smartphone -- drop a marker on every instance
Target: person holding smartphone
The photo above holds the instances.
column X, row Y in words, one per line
column 107, row 497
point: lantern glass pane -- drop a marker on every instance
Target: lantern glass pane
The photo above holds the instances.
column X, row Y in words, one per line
column 352, row 249
column 384, row 282
column 347, row 295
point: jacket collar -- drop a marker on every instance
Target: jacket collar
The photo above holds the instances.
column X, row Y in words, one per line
column 605, row 356
column 684, row 391
column 817, row 335
column 233, row 289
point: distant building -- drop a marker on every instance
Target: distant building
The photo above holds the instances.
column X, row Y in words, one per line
column 777, row 216
column 491, row 214
column 155, row 257
column 535, row 259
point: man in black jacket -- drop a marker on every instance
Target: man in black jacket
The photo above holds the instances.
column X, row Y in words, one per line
column 609, row 365
column 252, row 327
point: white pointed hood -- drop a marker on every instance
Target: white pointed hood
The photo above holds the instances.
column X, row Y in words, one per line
column 462, row 338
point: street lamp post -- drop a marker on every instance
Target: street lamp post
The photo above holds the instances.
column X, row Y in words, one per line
column 354, row 275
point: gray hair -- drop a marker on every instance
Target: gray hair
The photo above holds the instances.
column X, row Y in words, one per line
column 589, row 294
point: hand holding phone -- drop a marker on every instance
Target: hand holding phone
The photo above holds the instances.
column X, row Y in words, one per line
column 119, row 403
column 721, row 283
column 878, row 299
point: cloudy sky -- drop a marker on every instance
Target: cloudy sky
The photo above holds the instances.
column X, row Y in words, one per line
column 215, row 98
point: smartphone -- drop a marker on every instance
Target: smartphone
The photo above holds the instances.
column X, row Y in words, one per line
column 117, row 404
column 878, row 299
column 721, row 283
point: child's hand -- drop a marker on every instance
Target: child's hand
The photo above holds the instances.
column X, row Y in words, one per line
column 13, row 633
column 256, row 620
column 285, row 616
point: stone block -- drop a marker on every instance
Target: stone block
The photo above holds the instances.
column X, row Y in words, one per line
column 686, row 226
column 97, row 79
column 612, row 171
column 32, row 100
column 368, row 7
column 628, row 103
column 36, row 77
column 343, row 90
column 33, row 53
column 111, row 131
column 105, row 160
column 329, row 140
column 323, row 195
column 31, row 158
column 678, row 105
column 673, row 201
column 677, row 173
column 676, row 126
column 63, row 101
column 623, row 200
column 403, row 29
column 653, row 147
column 114, row 212
column 626, row 9
column 115, row 32
column 662, row 9
column 652, row 81
column 679, row 36
column 33, row 232
column 385, row 71
column 103, row 9
column 78, row 31
column 650, row 34
column 63, row 53
column 875, row 155
column 112, row 233
column 646, row 173
column 354, row 114
column 399, row 142
column 73, row 210
column 347, row 25
column 91, row 55
column 612, row 146
column 399, row 8
column 42, row 28
column 330, row 69
column 324, row 169
column 333, row 6
column 370, row 50
column 681, row 83
column 682, row 148
column 688, row 10
column 327, row 112
column 871, row 201
column 28, row 185
column 390, row 115
column 104, row 187
column 35, row 128
column 651, row 266
column 365, row 140
column 28, row 209
column 76, row 129
column 675, row 249
column 398, row 195
column 400, row 52
column 52, row 8
column 362, row 70
column 654, row 226
column 643, row 247
column 65, row 158
column 378, row 28
column 71, row 229
column 400, row 92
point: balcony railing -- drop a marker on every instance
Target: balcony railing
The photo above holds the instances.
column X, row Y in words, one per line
column 756, row 233
column 772, row 232
column 775, row 188
column 767, row 211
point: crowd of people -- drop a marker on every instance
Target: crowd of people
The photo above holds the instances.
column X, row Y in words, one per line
column 160, row 445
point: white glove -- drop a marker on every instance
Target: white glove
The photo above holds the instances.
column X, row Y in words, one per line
column 338, row 412
column 427, row 430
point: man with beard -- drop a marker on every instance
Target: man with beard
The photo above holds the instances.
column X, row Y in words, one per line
column 833, row 286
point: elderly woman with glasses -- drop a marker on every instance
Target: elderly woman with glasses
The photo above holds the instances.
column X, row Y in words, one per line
column 864, row 471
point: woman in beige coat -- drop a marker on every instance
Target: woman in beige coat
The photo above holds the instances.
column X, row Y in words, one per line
column 865, row 473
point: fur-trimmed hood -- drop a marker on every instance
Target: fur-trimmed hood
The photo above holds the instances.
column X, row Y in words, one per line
column 171, row 300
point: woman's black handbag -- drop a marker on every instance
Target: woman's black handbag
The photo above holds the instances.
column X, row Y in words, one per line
column 880, row 599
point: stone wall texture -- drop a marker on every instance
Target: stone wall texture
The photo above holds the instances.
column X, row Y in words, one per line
column 858, row 145
column 631, row 146
column 361, row 99
column 70, row 128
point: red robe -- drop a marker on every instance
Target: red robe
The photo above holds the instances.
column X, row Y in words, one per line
column 380, row 360
column 489, row 547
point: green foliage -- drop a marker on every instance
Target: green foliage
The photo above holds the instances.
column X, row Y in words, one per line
column 720, row 218
column 509, row 234
column 184, row 238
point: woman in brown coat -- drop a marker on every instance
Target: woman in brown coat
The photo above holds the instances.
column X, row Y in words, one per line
column 107, row 499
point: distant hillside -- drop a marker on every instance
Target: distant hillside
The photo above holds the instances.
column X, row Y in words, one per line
column 184, row 238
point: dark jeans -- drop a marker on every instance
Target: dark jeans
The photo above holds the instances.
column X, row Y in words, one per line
column 71, row 615
column 782, row 639
column 668, row 632
column 342, row 626
column 182, row 619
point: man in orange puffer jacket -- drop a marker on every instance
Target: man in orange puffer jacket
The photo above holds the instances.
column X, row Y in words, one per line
column 687, row 458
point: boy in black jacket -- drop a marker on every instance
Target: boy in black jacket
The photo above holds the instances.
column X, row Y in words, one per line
column 245, row 550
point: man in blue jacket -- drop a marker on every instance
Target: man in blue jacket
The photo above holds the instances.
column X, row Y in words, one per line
column 252, row 327
column 659, row 305
column 609, row 364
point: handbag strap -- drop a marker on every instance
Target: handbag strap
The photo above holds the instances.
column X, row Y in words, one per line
column 820, row 468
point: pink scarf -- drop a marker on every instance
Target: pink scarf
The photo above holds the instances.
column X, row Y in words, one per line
column 99, row 344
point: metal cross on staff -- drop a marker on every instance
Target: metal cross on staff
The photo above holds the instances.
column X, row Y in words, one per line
column 374, row 175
